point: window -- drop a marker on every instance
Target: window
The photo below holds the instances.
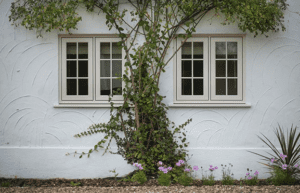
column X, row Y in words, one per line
column 90, row 68
column 209, row 70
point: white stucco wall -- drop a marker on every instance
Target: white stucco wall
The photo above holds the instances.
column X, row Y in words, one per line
column 35, row 136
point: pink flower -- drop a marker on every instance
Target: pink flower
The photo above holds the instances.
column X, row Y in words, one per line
column 181, row 161
column 272, row 160
column 249, row 178
column 195, row 168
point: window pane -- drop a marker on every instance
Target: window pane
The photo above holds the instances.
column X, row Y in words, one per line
column 71, row 87
column 105, row 50
column 198, row 86
column 71, row 51
column 83, row 50
column 186, row 50
column 220, row 68
column 232, row 86
column 104, row 68
column 186, row 87
column 231, row 49
column 198, row 68
column 186, row 68
column 116, row 68
column 117, row 86
column 232, row 68
column 71, row 69
column 198, row 50
column 116, row 51
column 105, row 86
column 220, row 87
column 82, row 68
column 83, row 86
column 220, row 50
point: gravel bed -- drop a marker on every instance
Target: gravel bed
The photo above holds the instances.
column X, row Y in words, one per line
column 112, row 185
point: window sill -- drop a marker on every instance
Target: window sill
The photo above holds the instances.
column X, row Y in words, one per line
column 218, row 105
column 107, row 105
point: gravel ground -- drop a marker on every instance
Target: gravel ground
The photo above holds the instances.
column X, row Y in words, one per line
column 112, row 185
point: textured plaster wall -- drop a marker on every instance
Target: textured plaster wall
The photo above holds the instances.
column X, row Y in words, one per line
column 35, row 136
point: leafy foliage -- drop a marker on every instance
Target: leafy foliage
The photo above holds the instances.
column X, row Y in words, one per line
column 147, row 138
column 289, row 148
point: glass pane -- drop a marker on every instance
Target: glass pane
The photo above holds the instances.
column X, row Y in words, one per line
column 186, row 87
column 232, row 68
column 117, row 68
column 198, row 86
column 186, row 50
column 220, row 50
column 82, row 68
column 116, row 51
column 83, row 88
column 220, row 68
column 198, row 68
column 71, row 51
column 83, row 50
column 232, row 86
column 105, row 50
column 117, row 86
column 220, row 87
column 198, row 50
column 105, row 86
column 186, row 68
column 71, row 87
column 71, row 69
column 231, row 49
column 104, row 68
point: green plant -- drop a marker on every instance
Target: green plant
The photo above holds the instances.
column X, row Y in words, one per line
column 289, row 149
column 75, row 184
column 185, row 180
column 251, row 180
column 5, row 184
column 140, row 176
column 281, row 178
column 147, row 138
column 226, row 178
column 164, row 179
column 241, row 183
column 176, row 172
column 114, row 171
column 211, row 179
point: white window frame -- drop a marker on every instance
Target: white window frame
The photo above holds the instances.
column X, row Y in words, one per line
column 205, row 70
column 212, row 100
column 98, row 96
column 239, row 96
column 64, row 70
column 91, row 99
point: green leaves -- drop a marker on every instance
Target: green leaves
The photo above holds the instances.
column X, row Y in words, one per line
column 47, row 16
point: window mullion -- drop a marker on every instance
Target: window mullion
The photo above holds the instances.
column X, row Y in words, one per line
column 110, row 67
column 226, row 78
column 192, row 63
column 77, row 80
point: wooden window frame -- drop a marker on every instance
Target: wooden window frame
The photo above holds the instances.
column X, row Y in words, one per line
column 212, row 100
column 91, row 99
